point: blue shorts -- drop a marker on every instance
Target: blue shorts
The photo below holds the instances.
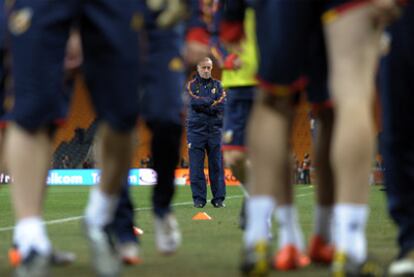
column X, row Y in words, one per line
column 3, row 30
column 109, row 32
column 317, row 71
column 3, row 24
column 236, row 114
column 164, row 74
column 2, row 83
column 293, row 45
column 2, row 43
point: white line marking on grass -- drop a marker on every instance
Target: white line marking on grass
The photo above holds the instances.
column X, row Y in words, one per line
column 247, row 195
column 305, row 186
column 74, row 218
column 303, row 194
column 244, row 190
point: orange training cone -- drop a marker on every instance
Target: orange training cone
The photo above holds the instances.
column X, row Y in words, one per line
column 202, row 216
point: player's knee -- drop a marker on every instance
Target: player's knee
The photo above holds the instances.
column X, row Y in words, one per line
column 280, row 103
column 233, row 158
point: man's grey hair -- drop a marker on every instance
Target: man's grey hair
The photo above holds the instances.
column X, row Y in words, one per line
column 205, row 59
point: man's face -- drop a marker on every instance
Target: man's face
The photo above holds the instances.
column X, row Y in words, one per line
column 204, row 69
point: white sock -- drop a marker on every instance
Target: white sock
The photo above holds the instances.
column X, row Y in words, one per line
column 101, row 208
column 323, row 222
column 350, row 221
column 289, row 228
column 269, row 225
column 258, row 211
column 30, row 234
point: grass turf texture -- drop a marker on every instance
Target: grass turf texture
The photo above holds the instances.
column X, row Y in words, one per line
column 210, row 248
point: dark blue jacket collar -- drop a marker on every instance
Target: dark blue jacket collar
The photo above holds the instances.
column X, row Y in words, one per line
column 199, row 79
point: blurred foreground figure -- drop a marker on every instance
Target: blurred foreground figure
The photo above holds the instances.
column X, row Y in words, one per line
column 58, row 258
column 397, row 86
column 161, row 89
column 39, row 31
column 351, row 32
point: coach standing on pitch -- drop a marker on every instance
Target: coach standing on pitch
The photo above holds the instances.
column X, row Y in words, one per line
column 204, row 127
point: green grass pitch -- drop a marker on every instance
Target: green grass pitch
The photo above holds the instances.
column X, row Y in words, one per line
column 210, row 248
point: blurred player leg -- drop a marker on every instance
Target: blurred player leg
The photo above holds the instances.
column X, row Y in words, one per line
column 353, row 49
column 165, row 149
column 291, row 247
column 237, row 112
column 240, row 83
column 111, row 74
column 264, row 152
column 321, row 242
column 162, row 110
column 123, row 228
column 271, row 122
column 37, row 109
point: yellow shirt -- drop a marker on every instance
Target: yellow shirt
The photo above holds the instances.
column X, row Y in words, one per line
column 245, row 76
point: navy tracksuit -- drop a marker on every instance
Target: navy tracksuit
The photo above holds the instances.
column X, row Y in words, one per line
column 204, row 127
column 397, row 140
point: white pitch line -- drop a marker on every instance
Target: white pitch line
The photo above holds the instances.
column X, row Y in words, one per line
column 74, row 218
column 246, row 193
column 244, row 190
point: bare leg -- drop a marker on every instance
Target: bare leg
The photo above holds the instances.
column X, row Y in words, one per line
column 28, row 157
column 290, row 237
column 115, row 155
column 268, row 138
column 237, row 161
column 114, row 151
column 353, row 47
column 268, row 146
